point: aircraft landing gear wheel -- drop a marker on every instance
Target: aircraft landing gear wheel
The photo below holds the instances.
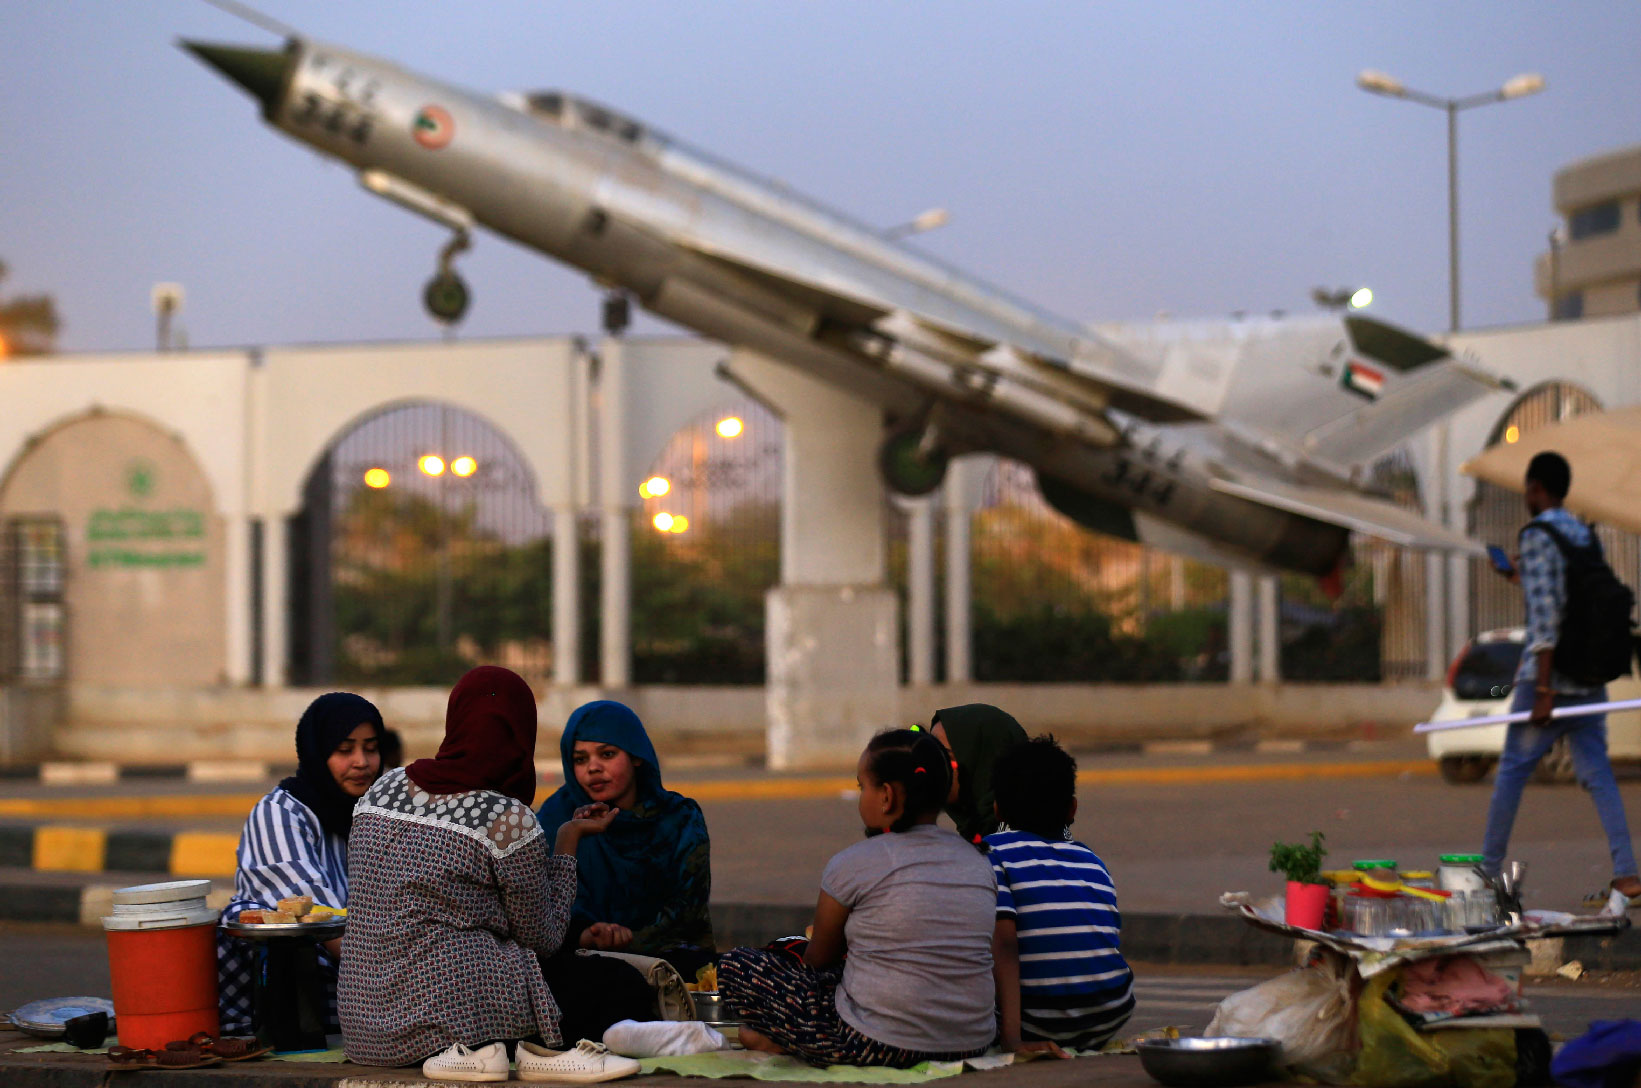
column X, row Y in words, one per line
column 907, row 467
column 446, row 297
column 1463, row 770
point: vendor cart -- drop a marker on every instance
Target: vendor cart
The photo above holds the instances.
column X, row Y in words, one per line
column 1376, row 1037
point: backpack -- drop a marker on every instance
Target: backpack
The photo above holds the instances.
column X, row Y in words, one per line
column 1597, row 636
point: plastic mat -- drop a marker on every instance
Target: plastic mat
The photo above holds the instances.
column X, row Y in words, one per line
column 760, row 1066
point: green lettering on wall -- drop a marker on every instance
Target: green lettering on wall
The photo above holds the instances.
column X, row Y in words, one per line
column 129, row 523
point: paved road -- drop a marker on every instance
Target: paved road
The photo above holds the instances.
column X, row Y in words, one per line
column 39, row 961
column 1176, row 831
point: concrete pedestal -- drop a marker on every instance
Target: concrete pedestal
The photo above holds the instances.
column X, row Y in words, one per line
column 832, row 679
column 832, row 630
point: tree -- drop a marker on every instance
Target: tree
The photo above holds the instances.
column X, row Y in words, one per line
column 28, row 323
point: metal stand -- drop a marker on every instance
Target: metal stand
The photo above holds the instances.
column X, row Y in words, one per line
column 291, row 1003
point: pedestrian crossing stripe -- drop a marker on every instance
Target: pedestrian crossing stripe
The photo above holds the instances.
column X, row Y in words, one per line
column 433, row 127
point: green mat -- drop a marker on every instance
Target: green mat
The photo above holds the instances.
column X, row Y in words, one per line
column 309, row 1056
column 334, row 1055
column 760, row 1066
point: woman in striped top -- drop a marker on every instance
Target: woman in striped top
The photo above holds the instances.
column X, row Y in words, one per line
column 1060, row 974
column 295, row 840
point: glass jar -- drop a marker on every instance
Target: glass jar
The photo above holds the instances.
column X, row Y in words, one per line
column 1481, row 908
column 1367, row 917
column 1458, row 873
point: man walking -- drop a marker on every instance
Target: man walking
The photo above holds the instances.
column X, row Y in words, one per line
column 1539, row 687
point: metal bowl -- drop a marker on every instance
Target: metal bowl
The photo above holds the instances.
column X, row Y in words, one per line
column 1219, row 1062
column 709, row 1006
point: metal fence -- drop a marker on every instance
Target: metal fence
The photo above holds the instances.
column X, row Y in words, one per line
column 706, row 549
column 1055, row 602
column 420, row 551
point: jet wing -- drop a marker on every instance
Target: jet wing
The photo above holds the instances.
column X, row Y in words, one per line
column 1091, row 381
column 831, row 303
column 1350, row 510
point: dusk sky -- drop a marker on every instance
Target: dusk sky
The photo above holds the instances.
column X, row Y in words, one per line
column 1110, row 161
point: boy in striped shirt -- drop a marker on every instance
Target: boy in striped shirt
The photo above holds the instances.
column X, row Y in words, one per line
column 1061, row 978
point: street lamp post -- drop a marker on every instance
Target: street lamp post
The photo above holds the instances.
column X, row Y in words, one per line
column 1519, row 87
column 932, row 219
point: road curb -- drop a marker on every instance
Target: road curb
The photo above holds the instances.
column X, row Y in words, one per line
column 53, row 848
column 100, row 773
column 96, row 772
column 1220, row 939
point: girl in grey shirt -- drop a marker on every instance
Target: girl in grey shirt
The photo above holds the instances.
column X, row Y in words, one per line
column 913, row 908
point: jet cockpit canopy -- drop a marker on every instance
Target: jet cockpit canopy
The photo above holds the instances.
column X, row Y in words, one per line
column 570, row 111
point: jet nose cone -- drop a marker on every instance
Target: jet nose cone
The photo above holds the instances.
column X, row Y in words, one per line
column 263, row 72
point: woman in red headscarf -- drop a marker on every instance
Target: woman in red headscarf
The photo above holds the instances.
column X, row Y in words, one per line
column 456, row 892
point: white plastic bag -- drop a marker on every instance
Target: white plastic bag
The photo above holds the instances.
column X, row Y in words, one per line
column 1308, row 1011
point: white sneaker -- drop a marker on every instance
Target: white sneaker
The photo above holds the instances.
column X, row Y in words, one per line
column 586, row 1062
column 461, row 1063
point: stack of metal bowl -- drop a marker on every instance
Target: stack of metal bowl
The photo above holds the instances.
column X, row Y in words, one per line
column 1218, row 1062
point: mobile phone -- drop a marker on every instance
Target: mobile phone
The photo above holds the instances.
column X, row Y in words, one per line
column 1501, row 562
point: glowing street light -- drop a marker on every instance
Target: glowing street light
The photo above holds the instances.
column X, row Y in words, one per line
column 377, row 478
column 431, row 464
column 730, row 427
column 1512, row 434
column 680, row 524
column 663, row 521
column 654, row 487
column 464, row 466
column 1343, row 298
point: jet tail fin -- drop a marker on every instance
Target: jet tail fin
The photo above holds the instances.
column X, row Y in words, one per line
column 1407, row 384
column 1398, row 406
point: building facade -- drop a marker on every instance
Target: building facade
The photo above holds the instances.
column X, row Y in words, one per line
column 1593, row 267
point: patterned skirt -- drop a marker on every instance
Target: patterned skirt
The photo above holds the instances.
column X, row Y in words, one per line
column 796, row 1007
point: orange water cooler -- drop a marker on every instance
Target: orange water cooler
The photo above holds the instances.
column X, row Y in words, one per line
column 162, row 960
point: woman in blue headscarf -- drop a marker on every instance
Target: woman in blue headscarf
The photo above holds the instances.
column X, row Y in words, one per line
column 644, row 883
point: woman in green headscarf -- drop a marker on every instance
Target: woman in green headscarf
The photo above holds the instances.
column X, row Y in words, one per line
column 975, row 734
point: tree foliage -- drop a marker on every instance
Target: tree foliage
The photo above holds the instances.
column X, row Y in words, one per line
column 28, row 323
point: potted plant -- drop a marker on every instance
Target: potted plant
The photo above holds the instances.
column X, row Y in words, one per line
column 1307, row 898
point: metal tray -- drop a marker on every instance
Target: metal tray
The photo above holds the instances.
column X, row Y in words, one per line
column 319, row 931
column 45, row 1018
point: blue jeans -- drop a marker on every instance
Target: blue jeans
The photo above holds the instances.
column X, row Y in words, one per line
column 1525, row 744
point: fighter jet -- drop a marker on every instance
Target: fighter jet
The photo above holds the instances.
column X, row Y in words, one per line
column 1243, row 443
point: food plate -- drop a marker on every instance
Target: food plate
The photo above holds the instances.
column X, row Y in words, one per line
column 45, row 1018
column 323, row 931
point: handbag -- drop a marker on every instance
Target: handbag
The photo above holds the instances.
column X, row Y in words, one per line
column 672, row 1001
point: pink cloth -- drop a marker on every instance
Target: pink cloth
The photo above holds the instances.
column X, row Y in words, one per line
column 1454, row 984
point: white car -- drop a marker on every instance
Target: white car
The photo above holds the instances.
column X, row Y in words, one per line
column 1478, row 685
